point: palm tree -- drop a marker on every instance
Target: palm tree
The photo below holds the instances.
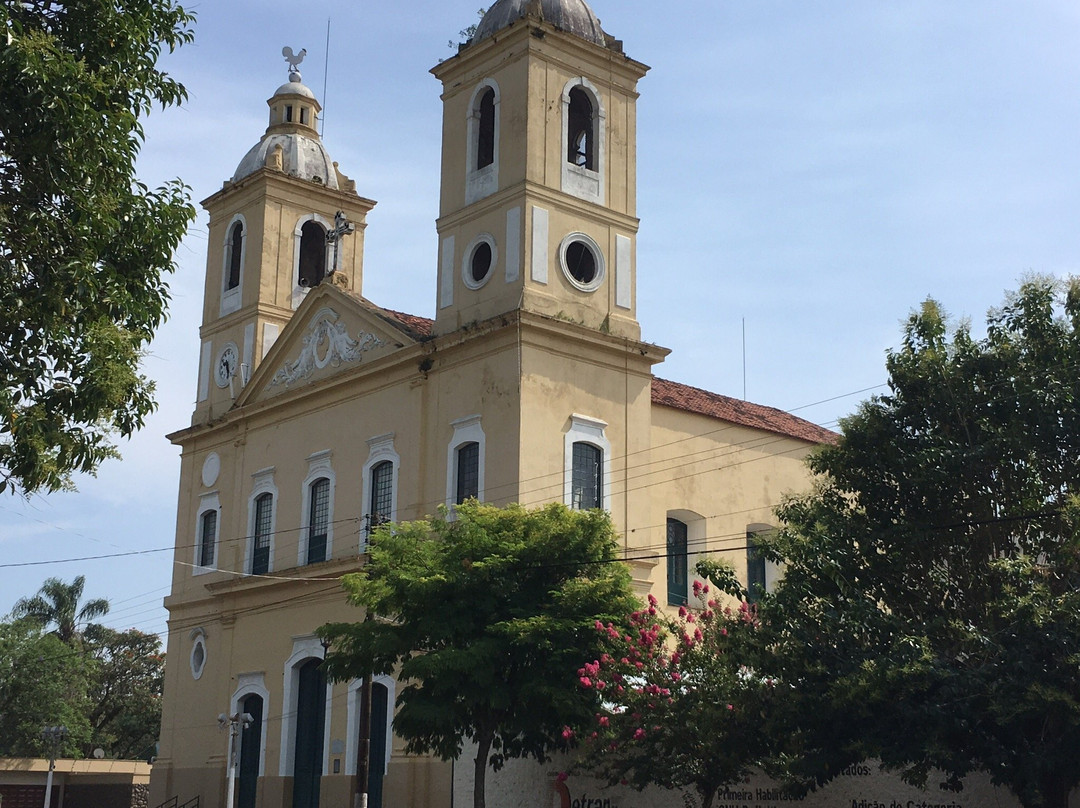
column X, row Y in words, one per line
column 57, row 603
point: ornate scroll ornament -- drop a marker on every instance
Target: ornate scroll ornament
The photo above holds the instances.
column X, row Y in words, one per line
column 327, row 344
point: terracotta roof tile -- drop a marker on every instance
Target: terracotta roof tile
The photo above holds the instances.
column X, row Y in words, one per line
column 714, row 405
column 421, row 326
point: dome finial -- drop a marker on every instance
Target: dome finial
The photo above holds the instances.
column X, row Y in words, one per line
column 294, row 61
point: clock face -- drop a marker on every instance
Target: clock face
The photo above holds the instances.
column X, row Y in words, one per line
column 227, row 363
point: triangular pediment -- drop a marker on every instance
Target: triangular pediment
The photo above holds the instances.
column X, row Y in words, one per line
column 332, row 332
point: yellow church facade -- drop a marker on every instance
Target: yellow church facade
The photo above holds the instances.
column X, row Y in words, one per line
column 320, row 414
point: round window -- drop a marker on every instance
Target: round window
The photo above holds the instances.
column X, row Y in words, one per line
column 479, row 262
column 582, row 261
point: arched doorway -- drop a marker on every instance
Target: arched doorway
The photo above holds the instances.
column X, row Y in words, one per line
column 378, row 754
column 250, row 749
column 310, row 724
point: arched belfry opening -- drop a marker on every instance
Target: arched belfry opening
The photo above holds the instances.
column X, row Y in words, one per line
column 485, row 140
column 312, row 254
column 581, row 141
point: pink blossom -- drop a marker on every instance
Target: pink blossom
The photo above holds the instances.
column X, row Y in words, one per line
column 731, row 707
column 723, row 632
column 604, row 721
column 639, row 733
column 567, row 733
column 682, row 611
column 585, row 681
column 697, row 588
column 676, row 676
column 652, row 600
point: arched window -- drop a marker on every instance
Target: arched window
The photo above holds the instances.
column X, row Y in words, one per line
column 584, row 130
column 467, row 472
column 580, row 130
column 586, row 486
column 482, row 142
column 485, row 134
column 465, row 461
column 312, row 254
column 236, row 247
column 676, row 562
column 264, row 521
column 318, row 520
column 207, row 538
column 382, row 494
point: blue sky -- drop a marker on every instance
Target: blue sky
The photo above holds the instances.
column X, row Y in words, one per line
column 816, row 169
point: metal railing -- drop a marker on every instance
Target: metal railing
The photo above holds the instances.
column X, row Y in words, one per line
column 175, row 803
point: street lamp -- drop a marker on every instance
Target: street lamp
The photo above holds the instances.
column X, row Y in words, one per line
column 234, row 723
column 53, row 736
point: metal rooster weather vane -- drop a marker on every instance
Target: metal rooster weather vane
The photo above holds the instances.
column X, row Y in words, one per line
column 294, row 60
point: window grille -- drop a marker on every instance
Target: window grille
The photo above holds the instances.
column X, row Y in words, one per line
column 468, row 472
column 585, row 491
column 208, row 539
column 319, row 521
column 260, row 553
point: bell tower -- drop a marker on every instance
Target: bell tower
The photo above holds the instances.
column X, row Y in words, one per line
column 538, row 200
column 269, row 245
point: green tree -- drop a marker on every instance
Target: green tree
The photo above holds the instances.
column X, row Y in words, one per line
column 57, row 604
column 929, row 614
column 485, row 618
column 83, row 244
column 126, row 677
column 42, row 683
column 682, row 708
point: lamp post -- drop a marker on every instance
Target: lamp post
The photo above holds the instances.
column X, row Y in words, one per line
column 53, row 736
column 235, row 722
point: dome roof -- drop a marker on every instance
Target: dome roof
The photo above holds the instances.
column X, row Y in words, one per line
column 301, row 156
column 572, row 16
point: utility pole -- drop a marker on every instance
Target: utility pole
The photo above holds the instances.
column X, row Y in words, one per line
column 53, row 736
column 363, row 750
column 235, row 723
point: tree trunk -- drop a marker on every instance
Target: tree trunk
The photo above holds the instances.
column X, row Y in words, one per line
column 483, row 748
column 1055, row 792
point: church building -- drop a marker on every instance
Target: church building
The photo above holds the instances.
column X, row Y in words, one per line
column 321, row 414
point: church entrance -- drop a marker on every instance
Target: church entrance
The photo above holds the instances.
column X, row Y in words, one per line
column 310, row 724
column 379, row 752
column 250, row 747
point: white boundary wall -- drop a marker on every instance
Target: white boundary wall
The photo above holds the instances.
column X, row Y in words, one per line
column 524, row 784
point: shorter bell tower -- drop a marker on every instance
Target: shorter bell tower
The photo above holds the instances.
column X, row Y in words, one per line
column 269, row 245
column 538, row 201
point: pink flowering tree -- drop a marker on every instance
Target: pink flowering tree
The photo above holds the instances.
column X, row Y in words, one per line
column 682, row 708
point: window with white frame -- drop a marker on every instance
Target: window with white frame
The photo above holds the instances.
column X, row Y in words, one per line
column 482, row 159
column 465, row 461
column 677, row 547
column 311, row 258
column 260, row 550
column 380, row 482
column 317, row 530
column 232, row 264
column 207, row 527
column 584, row 128
column 587, row 473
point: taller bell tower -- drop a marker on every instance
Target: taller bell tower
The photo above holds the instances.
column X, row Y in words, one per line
column 538, row 199
column 268, row 244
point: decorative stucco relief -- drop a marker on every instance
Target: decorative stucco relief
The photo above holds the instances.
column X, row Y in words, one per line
column 327, row 343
